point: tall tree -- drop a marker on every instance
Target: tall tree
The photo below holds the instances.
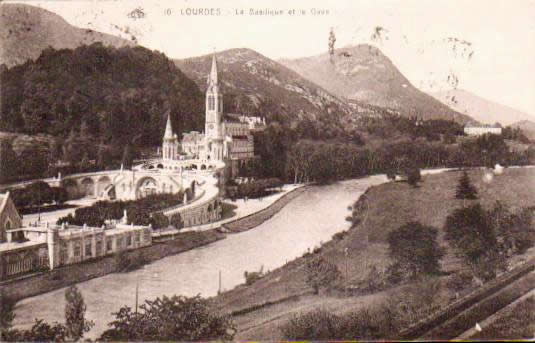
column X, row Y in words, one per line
column 465, row 189
column 9, row 164
column 128, row 157
column 75, row 308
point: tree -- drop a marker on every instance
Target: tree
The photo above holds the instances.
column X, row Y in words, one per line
column 321, row 273
column 9, row 164
column 159, row 220
column 59, row 195
column 415, row 249
column 175, row 318
column 332, row 40
column 75, row 322
column 414, row 176
column 465, row 189
column 103, row 157
column 7, row 305
column 128, row 157
column 471, row 232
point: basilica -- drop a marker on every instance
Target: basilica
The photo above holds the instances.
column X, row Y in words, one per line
column 227, row 136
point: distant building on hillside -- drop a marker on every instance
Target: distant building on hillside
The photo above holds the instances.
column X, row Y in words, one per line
column 481, row 129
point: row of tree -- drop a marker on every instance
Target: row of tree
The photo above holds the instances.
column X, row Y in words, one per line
column 75, row 154
column 37, row 194
column 284, row 155
column 144, row 211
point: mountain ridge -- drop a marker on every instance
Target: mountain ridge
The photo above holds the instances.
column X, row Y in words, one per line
column 363, row 73
column 39, row 29
column 481, row 109
column 257, row 85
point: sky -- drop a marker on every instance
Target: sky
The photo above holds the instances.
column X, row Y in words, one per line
column 484, row 46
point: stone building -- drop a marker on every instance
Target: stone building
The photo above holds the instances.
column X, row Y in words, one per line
column 9, row 216
column 227, row 136
column 478, row 129
column 43, row 246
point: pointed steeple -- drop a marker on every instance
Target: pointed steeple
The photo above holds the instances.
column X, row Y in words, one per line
column 212, row 78
column 168, row 129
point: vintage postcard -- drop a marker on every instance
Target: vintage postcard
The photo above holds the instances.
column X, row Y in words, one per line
column 269, row 170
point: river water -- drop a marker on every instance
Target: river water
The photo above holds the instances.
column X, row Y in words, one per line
column 311, row 218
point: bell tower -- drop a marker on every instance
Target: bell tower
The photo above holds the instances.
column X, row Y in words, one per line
column 214, row 105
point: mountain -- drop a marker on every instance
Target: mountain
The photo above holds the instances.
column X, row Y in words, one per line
column 39, row 29
column 256, row 85
column 527, row 127
column 362, row 73
column 479, row 108
column 106, row 93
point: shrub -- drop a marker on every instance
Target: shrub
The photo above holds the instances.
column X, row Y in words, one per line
column 322, row 325
column 320, row 273
column 415, row 249
column 175, row 318
column 319, row 325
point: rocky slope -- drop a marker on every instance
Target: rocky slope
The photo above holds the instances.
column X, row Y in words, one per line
column 481, row 109
column 25, row 31
column 256, row 85
column 362, row 73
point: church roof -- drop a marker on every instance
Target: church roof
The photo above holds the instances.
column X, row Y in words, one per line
column 168, row 128
column 192, row 136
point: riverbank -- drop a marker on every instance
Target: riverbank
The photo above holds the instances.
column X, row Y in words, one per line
column 245, row 208
column 183, row 240
column 299, row 226
column 253, row 220
column 40, row 283
column 388, row 206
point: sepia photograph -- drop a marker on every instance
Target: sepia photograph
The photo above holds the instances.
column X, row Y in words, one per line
column 268, row 170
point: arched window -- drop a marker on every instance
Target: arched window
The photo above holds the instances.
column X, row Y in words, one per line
column 211, row 103
column 220, row 103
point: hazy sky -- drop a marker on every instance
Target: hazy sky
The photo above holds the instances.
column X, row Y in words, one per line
column 488, row 45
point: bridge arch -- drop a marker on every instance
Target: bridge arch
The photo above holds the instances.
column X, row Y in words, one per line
column 102, row 183
column 146, row 186
column 88, row 186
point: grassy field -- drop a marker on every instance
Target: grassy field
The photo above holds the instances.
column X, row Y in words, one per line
column 389, row 206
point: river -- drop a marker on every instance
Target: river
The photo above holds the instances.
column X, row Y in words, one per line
column 311, row 218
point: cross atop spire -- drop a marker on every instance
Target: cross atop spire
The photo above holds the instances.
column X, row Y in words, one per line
column 168, row 128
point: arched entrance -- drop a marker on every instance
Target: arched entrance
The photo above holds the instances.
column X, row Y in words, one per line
column 146, row 186
column 102, row 183
column 88, row 186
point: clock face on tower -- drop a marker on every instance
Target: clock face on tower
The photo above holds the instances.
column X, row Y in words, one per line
column 211, row 126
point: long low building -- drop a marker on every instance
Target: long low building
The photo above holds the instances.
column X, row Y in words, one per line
column 43, row 246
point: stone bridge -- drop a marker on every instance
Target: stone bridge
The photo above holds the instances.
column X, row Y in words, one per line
column 151, row 177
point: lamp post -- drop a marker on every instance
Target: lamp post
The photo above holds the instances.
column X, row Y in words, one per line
column 346, row 254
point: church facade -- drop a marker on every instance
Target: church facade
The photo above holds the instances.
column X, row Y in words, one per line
column 227, row 136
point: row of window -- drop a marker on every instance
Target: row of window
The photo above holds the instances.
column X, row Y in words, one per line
column 88, row 252
column 211, row 103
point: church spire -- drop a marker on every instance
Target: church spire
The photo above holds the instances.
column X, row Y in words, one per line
column 168, row 128
column 212, row 78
